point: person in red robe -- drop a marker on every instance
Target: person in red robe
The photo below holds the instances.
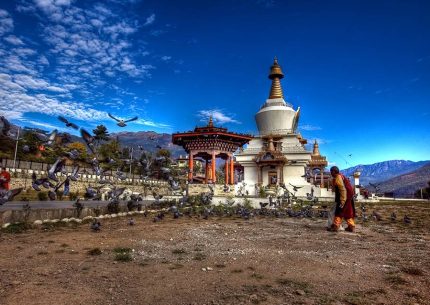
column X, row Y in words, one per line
column 344, row 198
column 4, row 179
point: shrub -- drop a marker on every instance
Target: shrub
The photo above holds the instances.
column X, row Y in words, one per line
column 42, row 196
column 95, row 251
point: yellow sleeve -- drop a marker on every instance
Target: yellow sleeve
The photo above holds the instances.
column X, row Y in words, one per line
column 341, row 186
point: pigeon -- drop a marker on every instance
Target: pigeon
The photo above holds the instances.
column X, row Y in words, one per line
column 159, row 217
column 49, row 139
column 73, row 154
column 74, row 176
column 52, row 195
column 89, row 140
column 55, row 168
column 4, row 126
column 8, row 195
column 26, row 148
column 263, row 204
column 407, row 219
column 121, row 122
column 377, row 216
column 96, row 225
column 296, row 188
column 68, row 124
column 131, row 222
column 393, row 216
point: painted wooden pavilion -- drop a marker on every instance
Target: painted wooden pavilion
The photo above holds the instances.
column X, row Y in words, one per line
column 209, row 143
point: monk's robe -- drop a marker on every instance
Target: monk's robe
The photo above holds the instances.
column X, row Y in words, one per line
column 344, row 194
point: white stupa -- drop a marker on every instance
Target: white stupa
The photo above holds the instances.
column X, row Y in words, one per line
column 277, row 155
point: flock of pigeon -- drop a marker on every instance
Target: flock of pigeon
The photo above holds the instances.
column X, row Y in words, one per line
column 57, row 175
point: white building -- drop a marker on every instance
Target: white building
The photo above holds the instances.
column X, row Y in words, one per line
column 277, row 155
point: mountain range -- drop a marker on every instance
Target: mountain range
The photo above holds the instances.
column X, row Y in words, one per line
column 400, row 177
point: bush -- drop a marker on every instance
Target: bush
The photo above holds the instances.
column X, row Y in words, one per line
column 42, row 196
column 73, row 195
column 95, row 251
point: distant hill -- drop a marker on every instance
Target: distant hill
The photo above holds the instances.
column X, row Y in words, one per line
column 149, row 140
column 405, row 185
column 384, row 171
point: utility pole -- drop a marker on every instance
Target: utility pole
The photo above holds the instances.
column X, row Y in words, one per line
column 16, row 149
column 131, row 160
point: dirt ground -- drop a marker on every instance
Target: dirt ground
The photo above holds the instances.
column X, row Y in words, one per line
column 264, row 260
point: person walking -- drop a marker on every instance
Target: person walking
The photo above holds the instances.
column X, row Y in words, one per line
column 344, row 199
column 4, row 179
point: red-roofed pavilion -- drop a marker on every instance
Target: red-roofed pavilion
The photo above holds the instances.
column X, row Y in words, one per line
column 209, row 143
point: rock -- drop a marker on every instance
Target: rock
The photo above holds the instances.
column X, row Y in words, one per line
column 38, row 222
column 300, row 292
column 46, row 221
column 7, row 224
column 65, row 220
column 209, row 268
column 15, row 283
column 204, row 269
column 113, row 215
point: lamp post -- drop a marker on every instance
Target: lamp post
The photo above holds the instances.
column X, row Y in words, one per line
column 16, row 149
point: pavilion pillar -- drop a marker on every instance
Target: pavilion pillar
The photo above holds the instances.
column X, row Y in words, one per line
column 206, row 171
column 231, row 170
column 281, row 173
column 322, row 177
column 226, row 169
column 190, row 166
column 259, row 175
column 213, row 167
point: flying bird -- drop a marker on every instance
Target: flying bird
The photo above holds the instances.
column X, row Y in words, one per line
column 68, row 123
column 121, row 122
column 4, row 126
column 8, row 196
column 88, row 138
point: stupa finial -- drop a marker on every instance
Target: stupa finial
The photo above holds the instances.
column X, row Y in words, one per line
column 276, row 75
column 211, row 122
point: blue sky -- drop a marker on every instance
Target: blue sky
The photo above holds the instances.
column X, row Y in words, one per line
column 359, row 70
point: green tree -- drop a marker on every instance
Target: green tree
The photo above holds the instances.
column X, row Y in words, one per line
column 101, row 134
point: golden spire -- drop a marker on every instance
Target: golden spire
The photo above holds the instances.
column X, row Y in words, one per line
column 276, row 75
column 316, row 151
column 211, row 122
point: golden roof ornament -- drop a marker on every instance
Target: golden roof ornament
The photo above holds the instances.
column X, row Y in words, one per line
column 316, row 151
column 211, row 122
column 276, row 75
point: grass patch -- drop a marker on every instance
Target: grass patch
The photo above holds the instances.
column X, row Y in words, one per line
column 199, row 256
column 179, row 251
column 220, row 265
column 95, row 251
column 356, row 298
column 413, row 271
column 295, row 284
column 123, row 257
column 396, row 280
column 16, row 228
column 122, row 250
column 256, row 276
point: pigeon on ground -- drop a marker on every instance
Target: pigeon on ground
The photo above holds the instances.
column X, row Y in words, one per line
column 393, row 216
column 377, row 216
column 96, row 225
column 407, row 219
column 131, row 222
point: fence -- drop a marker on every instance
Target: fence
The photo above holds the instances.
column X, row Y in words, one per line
column 26, row 168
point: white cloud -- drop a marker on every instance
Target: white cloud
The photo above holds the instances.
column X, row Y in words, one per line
column 217, row 115
column 308, row 127
column 12, row 39
column 150, row 20
column 40, row 124
column 152, row 124
column 166, row 58
column 6, row 22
